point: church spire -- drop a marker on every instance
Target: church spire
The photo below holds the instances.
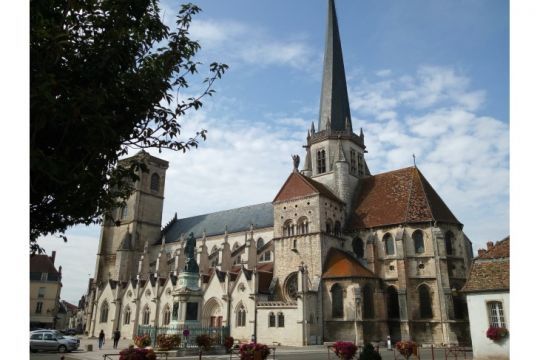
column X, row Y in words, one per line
column 334, row 98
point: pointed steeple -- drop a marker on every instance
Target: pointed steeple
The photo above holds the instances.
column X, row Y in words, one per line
column 334, row 98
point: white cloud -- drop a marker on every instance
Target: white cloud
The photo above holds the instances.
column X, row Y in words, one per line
column 384, row 72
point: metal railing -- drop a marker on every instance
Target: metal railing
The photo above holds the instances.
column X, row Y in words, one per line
column 159, row 355
column 217, row 334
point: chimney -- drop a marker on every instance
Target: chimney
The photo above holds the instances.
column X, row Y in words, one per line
column 481, row 252
column 53, row 255
column 490, row 245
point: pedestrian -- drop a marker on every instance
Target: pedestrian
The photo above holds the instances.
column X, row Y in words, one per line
column 116, row 337
column 101, row 339
column 388, row 343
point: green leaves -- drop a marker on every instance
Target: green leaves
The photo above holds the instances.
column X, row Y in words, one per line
column 99, row 72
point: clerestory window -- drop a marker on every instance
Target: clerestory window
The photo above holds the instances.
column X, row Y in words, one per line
column 321, row 161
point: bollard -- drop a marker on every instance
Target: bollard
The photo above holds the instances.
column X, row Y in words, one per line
column 89, row 347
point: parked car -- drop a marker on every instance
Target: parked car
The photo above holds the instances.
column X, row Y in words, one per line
column 52, row 340
column 69, row 332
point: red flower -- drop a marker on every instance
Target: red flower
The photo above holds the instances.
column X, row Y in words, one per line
column 344, row 349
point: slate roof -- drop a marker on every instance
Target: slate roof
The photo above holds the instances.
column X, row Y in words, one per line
column 397, row 197
column 490, row 271
column 298, row 186
column 340, row 264
column 236, row 220
column 42, row 264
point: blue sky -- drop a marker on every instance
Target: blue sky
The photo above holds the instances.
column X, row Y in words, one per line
column 426, row 77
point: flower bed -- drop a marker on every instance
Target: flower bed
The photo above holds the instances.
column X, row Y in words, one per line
column 344, row 349
column 168, row 341
column 496, row 333
column 142, row 341
column 204, row 341
column 248, row 351
column 407, row 348
column 137, row 354
column 228, row 343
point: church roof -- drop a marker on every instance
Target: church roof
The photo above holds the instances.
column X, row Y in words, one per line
column 396, row 197
column 340, row 264
column 297, row 186
column 490, row 271
column 334, row 104
column 236, row 220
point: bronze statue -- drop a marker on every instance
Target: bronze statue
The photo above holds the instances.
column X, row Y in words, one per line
column 189, row 251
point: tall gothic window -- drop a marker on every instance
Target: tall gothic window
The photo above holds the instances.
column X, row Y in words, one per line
column 166, row 315
column 271, row 320
column 123, row 212
column 367, row 294
column 104, row 314
column 418, row 238
column 449, row 242
column 260, row 243
column 154, row 182
column 358, row 247
column 241, row 316
column 424, row 295
column 496, row 314
column 146, row 315
column 353, row 162
column 127, row 315
column 288, row 228
column 360, row 165
column 321, row 161
column 280, row 319
column 392, row 303
column 388, row 244
column 337, row 301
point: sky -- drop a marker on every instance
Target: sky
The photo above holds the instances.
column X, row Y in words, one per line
column 425, row 77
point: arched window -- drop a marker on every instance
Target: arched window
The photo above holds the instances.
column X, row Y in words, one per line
column 288, row 228
column 360, row 165
column 392, row 303
column 146, row 315
column 127, row 315
column 154, row 182
column 280, row 320
column 337, row 228
column 496, row 314
column 271, row 320
column 123, row 212
column 358, row 247
column 424, row 295
column 303, row 226
column 418, row 238
column 291, row 286
column 241, row 316
column 166, row 315
column 353, row 162
column 329, row 226
column 388, row 244
column 367, row 294
column 260, row 243
column 337, row 301
column 104, row 314
column 449, row 242
column 460, row 307
column 321, row 161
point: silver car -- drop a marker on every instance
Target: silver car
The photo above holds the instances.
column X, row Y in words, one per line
column 52, row 340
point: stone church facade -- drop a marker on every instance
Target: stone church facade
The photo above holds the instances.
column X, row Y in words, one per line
column 339, row 254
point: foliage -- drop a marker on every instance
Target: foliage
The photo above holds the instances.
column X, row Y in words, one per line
column 496, row 333
column 228, row 343
column 369, row 353
column 247, row 351
column 204, row 341
column 142, row 341
column 407, row 348
column 105, row 76
column 137, row 354
column 344, row 349
column 168, row 341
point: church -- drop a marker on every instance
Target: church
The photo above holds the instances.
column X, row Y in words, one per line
column 338, row 254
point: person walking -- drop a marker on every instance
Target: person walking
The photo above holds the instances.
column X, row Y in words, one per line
column 116, row 337
column 101, row 339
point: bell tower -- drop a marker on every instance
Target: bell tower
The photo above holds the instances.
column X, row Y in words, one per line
column 335, row 154
column 122, row 241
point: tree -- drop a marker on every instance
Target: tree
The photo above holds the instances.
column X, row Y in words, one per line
column 105, row 76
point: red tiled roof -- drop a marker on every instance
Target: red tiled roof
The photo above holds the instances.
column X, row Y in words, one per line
column 298, row 186
column 340, row 264
column 42, row 264
column 491, row 270
column 399, row 196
